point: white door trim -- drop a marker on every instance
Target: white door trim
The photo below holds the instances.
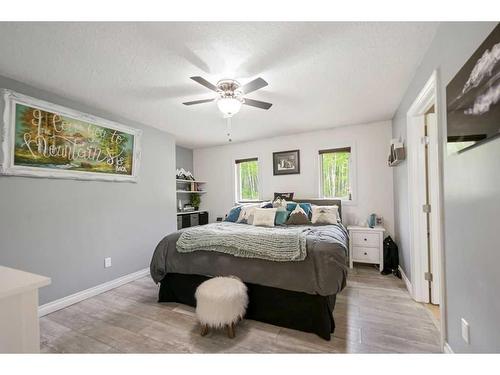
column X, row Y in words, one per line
column 427, row 97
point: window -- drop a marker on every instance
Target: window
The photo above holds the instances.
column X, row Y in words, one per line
column 247, row 180
column 335, row 171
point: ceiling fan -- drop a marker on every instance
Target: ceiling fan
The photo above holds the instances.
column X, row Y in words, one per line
column 230, row 94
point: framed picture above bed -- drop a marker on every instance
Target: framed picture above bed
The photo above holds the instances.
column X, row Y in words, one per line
column 286, row 162
column 41, row 139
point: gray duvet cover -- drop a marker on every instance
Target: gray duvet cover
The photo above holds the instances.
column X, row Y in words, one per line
column 323, row 271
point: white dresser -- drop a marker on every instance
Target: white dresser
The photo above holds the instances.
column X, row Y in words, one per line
column 366, row 245
column 19, row 327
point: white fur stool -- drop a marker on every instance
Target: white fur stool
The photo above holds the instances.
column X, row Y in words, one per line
column 221, row 302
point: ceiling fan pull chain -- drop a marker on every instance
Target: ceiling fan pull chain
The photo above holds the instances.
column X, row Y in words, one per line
column 228, row 122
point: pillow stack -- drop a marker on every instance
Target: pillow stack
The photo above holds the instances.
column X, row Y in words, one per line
column 281, row 212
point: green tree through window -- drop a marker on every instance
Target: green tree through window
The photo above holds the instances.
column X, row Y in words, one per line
column 248, row 174
column 335, row 165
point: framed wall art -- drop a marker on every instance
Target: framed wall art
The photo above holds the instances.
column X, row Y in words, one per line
column 286, row 162
column 41, row 139
column 473, row 98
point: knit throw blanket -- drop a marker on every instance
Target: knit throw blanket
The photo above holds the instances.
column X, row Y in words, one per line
column 279, row 244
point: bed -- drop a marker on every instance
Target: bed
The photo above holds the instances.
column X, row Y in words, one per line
column 293, row 294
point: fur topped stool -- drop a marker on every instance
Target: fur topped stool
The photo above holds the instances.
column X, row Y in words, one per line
column 221, row 302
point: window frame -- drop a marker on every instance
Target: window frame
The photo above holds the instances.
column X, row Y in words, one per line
column 237, row 181
column 352, row 172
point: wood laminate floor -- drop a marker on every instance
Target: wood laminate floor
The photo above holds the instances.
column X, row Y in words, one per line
column 373, row 314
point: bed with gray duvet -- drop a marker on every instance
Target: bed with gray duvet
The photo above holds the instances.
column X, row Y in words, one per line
column 295, row 289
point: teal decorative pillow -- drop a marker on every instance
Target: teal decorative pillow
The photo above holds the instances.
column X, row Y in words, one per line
column 233, row 214
column 281, row 217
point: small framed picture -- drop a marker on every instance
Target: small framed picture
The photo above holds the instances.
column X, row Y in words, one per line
column 286, row 162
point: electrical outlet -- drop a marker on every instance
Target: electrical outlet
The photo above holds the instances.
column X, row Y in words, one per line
column 465, row 330
column 107, row 262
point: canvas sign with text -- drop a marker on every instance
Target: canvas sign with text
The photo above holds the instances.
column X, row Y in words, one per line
column 44, row 140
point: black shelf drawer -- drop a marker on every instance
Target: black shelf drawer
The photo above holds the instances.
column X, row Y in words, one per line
column 186, row 221
column 192, row 219
column 203, row 218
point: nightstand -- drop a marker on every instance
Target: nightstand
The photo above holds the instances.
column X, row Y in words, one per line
column 366, row 245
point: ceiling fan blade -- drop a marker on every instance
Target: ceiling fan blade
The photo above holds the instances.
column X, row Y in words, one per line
column 204, row 82
column 257, row 103
column 254, row 85
column 198, row 101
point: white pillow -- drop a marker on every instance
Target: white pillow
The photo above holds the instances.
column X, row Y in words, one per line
column 325, row 214
column 246, row 213
column 264, row 217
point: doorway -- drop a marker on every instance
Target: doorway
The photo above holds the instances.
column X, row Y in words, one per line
column 425, row 204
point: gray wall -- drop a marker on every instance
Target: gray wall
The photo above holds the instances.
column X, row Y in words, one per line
column 64, row 229
column 471, row 202
column 184, row 158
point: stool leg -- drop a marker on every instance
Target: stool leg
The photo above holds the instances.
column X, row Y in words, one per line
column 204, row 330
column 230, row 330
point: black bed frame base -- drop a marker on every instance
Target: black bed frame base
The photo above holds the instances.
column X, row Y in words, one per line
column 284, row 308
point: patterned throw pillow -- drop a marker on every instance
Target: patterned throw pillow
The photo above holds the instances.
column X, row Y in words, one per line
column 325, row 214
column 264, row 217
column 290, row 206
column 279, row 203
column 287, row 196
column 246, row 213
column 298, row 217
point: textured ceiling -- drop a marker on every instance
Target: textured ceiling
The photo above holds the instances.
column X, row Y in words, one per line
column 320, row 75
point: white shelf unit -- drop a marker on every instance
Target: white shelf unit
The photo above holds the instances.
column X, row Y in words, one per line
column 190, row 212
column 194, row 186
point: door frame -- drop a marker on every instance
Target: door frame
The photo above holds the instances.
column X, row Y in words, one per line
column 428, row 97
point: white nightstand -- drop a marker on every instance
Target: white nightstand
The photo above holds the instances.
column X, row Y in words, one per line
column 366, row 245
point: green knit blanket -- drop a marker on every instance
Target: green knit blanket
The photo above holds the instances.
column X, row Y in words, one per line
column 280, row 244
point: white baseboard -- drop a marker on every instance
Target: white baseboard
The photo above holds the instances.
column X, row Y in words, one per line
column 87, row 293
column 407, row 282
column 447, row 349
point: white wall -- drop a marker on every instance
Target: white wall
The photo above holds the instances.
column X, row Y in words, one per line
column 373, row 190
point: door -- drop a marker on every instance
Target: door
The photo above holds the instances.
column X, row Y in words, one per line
column 426, row 208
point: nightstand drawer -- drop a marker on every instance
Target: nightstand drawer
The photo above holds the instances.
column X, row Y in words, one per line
column 365, row 254
column 365, row 239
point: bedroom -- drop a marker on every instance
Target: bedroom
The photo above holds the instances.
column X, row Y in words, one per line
column 202, row 187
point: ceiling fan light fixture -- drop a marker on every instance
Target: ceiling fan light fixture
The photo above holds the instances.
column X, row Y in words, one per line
column 229, row 106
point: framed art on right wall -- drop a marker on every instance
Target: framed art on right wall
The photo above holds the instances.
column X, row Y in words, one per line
column 473, row 98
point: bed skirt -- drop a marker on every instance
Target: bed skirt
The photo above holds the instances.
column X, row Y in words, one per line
column 284, row 308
